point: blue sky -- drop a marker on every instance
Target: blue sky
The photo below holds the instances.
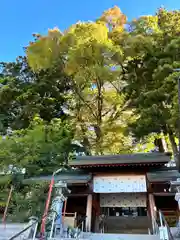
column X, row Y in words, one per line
column 19, row 19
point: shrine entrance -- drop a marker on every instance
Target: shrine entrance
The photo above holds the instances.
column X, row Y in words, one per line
column 124, row 212
column 123, row 202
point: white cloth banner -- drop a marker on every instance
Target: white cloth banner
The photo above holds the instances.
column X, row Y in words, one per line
column 123, row 200
column 119, row 184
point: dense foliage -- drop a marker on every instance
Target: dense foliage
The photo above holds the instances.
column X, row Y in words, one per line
column 40, row 149
column 121, row 75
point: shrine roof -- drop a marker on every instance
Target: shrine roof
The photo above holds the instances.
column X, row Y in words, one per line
column 121, row 160
column 68, row 177
column 163, row 176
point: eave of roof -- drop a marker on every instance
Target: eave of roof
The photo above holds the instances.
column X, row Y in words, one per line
column 143, row 159
column 163, row 176
column 68, row 178
column 118, row 165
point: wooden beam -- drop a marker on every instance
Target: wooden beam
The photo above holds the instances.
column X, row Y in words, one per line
column 77, row 194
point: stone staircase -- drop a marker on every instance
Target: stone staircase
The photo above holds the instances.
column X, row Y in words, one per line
column 11, row 229
column 175, row 233
column 108, row 236
column 127, row 225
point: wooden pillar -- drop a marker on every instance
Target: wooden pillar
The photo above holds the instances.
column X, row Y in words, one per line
column 152, row 208
column 88, row 212
column 64, row 211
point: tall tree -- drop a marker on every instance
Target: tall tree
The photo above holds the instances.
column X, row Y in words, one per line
column 150, row 54
column 96, row 103
column 24, row 93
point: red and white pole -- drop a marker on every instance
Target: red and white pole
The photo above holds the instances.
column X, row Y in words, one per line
column 43, row 223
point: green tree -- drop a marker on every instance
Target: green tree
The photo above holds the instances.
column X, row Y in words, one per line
column 24, row 93
column 28, row 148
column 27, row 198
column 95, row 100
column 150, row 54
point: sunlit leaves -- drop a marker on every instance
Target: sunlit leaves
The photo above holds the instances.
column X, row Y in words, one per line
column 169, row 22
column 145, row 25
column 114, row 18
column 45, row 50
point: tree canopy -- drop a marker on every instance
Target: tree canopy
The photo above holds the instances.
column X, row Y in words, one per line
column 118, row 70
column 148, row 70
column 37, row 153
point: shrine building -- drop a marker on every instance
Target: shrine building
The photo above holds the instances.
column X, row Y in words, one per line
column 119, row 193
column 124, row 190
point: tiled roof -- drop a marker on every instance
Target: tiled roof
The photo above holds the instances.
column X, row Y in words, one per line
column 123, row 159
column 69, row 178
column 163, row 176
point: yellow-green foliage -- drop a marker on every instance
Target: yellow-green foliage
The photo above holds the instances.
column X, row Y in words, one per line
column 44, row 50
column 101, row 58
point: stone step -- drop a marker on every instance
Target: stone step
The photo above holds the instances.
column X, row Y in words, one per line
column 127, row 231
column 175, row 233
column 113, row 223
column 119, row 237
column 10, row 229
column 107, row 236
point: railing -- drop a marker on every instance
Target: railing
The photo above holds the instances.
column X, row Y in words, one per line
column 155, row 226
column 81, row 224
column 163, row 229
column 69, row 214
column 67, row 218
column 170, row 216
column 25, row 229
column 33, row 226
column 165, row 225
column 71, row 230
column 102, row 223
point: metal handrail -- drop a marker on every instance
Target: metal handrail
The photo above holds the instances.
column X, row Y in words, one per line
column 155, row 226
column 102, row 229
column 81, row 222
column 164, row 223
column 24, row 230
column 27, row 228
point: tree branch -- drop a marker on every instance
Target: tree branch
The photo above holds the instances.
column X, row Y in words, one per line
column 83, row 100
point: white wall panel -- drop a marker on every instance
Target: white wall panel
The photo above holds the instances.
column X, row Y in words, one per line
column 118, row 184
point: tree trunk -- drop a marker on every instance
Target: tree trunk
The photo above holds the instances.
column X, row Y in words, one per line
column 85, row 140
column 170, row 133
column 86, row 145
column 98, row 133
column 164, row 142
column 158, row 143
column 97, row 127
column 173, row 144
